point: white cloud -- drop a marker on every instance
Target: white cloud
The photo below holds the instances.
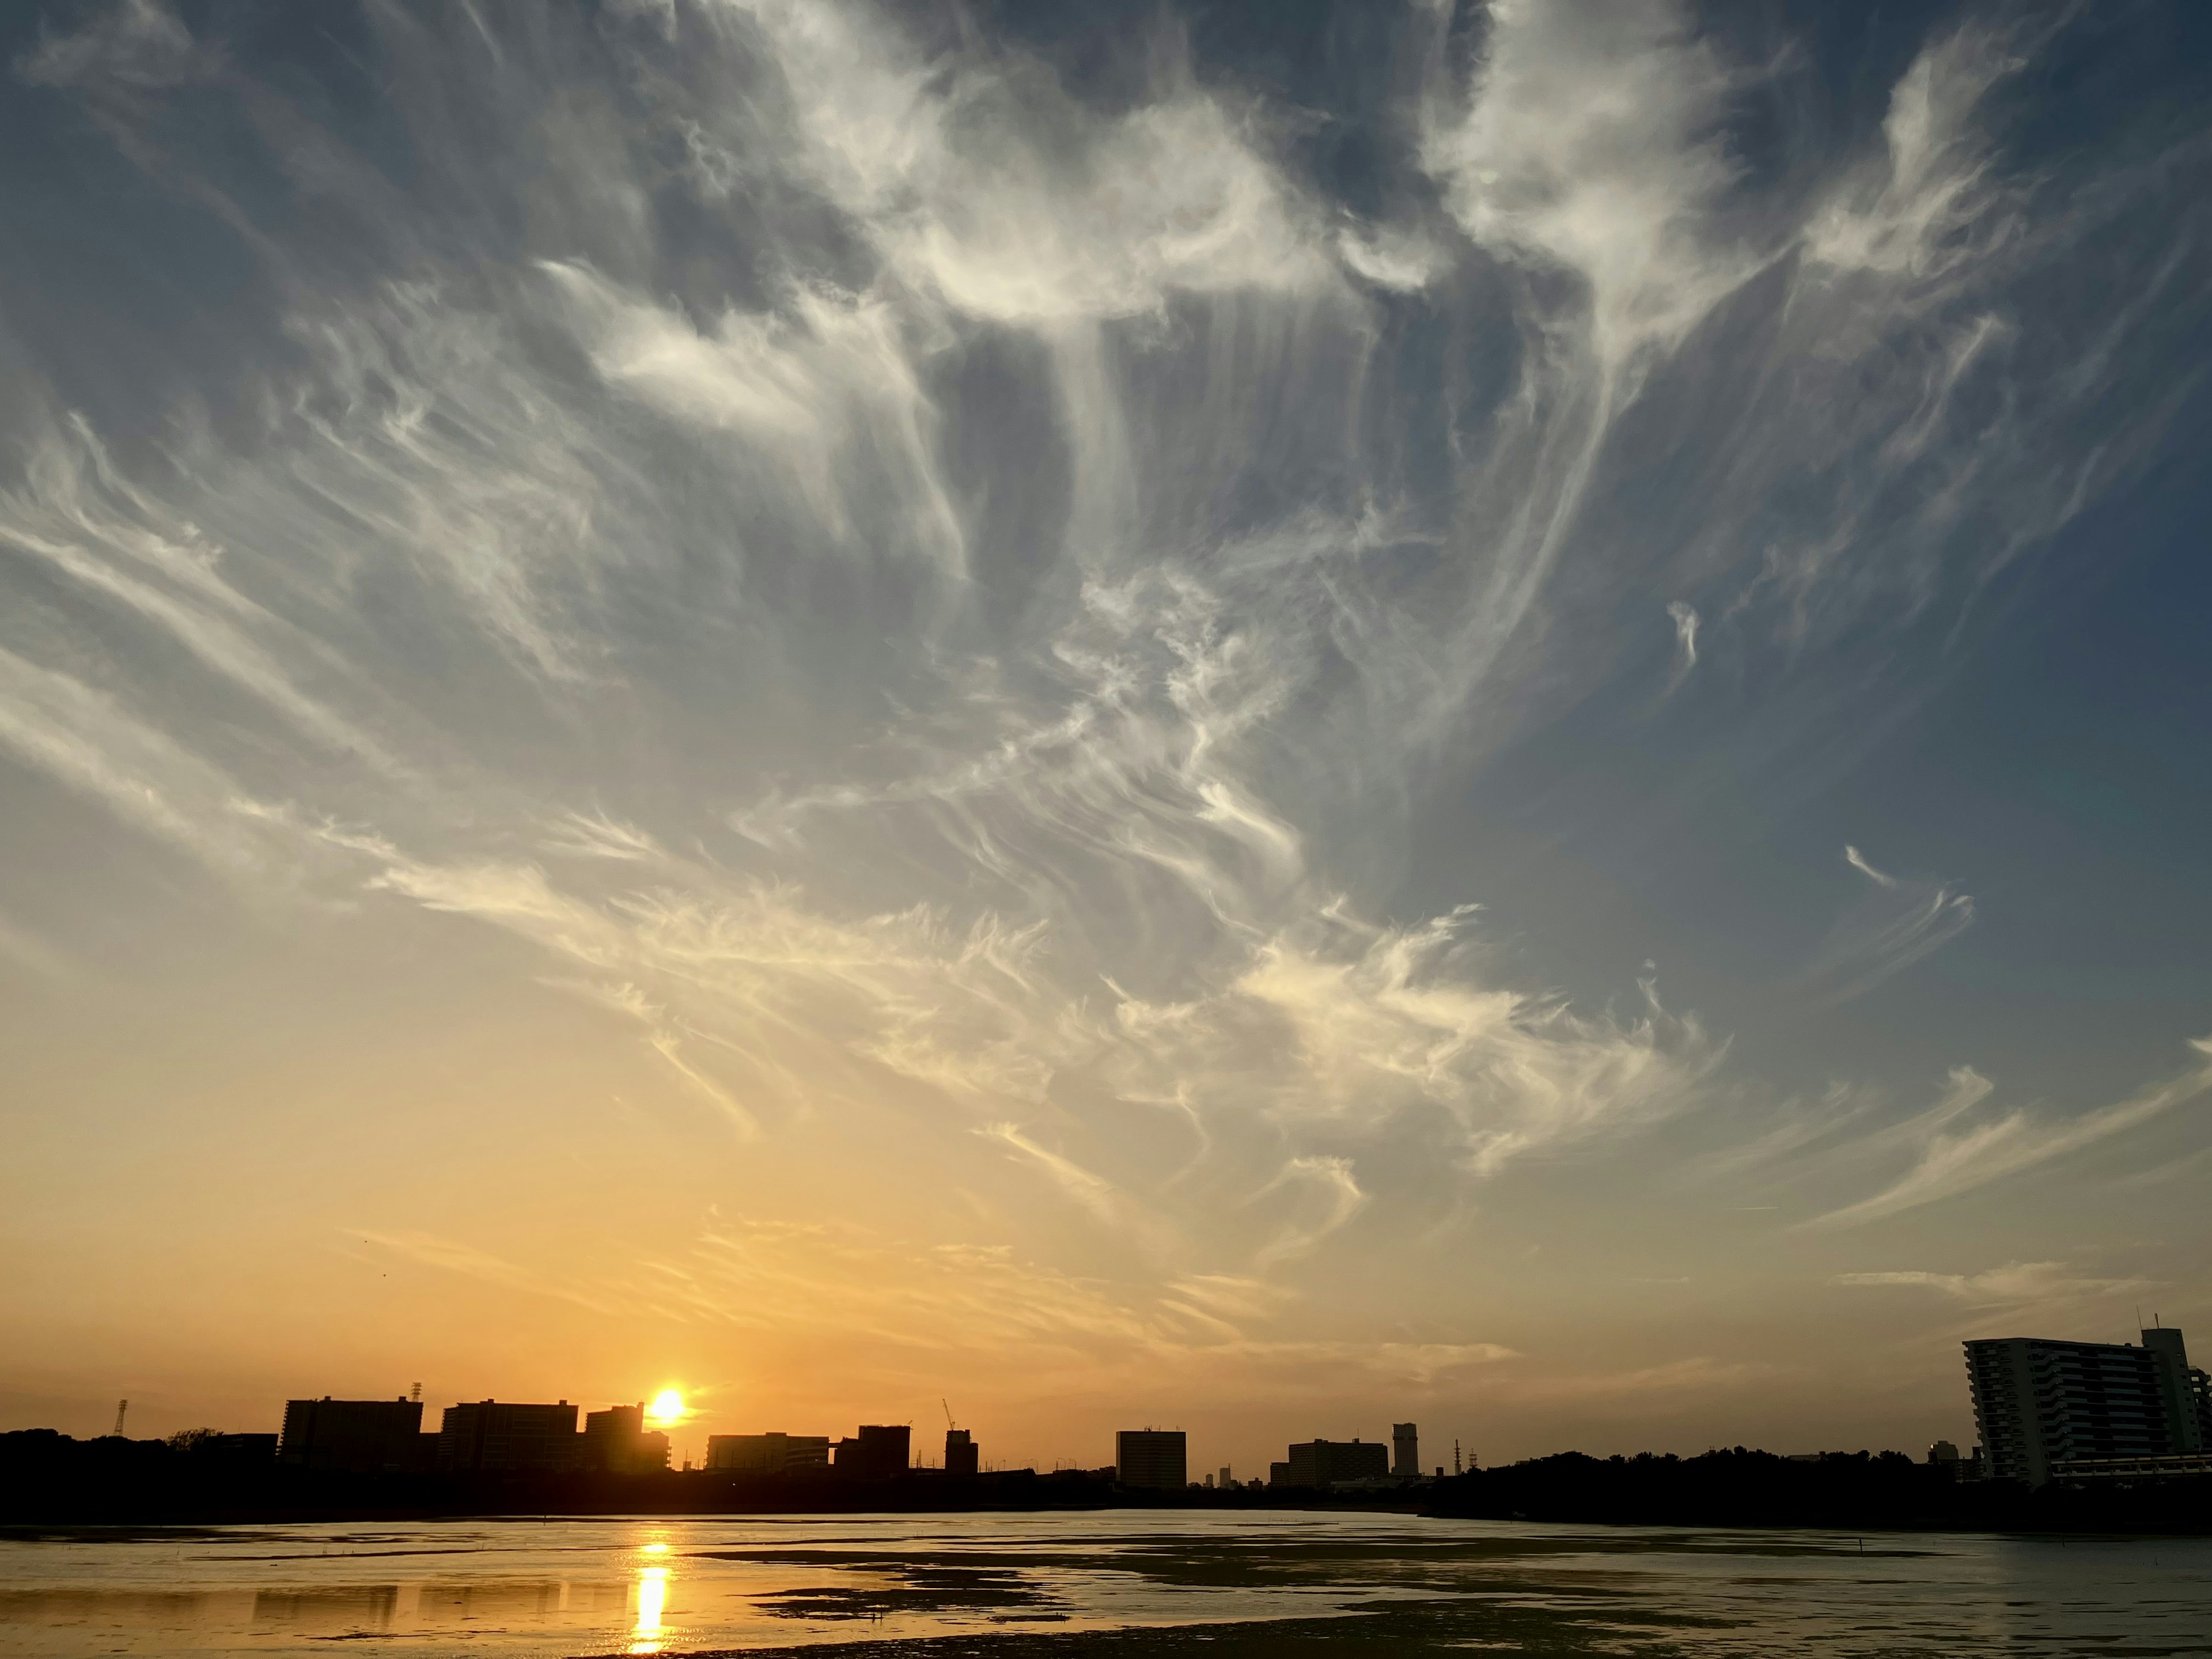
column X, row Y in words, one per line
column 1927, row 205
column 2016, row 1283
column 75, row 512
column 1685, row 617
column 1030, row 525
column 1896, row 922
column 1589, row 142
column 1950, row 1162
column 88, row 742
column 824, row 384
column 1401, row 260
column 1387, row 1024
column 135, row 44
column 941, row 164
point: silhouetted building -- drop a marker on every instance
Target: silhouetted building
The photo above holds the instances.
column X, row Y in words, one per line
column 961, row 1455
column 351, row 1436
column 2186, row 1390
column 1325, row 1462
column 616, row 1441
column 1151, row 1458
column 2041, row 1405
column 879, row 1452
column 1944, row 1455
column 501, row 1436
column 1278, row 1474
column 774, row 1453
column 1405, row 1451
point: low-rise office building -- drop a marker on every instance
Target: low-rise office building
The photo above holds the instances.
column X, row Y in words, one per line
column 1325, row 1462
column 773, row 1453
column 351, row 1436
column 501, row 1436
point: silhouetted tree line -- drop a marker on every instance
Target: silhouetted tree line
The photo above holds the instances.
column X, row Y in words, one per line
column 1843, row 1490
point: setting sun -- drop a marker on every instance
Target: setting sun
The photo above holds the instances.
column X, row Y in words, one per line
column 667, row 1407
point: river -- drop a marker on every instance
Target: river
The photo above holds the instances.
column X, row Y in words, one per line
column 1128, row 1581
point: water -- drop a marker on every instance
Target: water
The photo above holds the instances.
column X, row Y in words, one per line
column 526, row 1589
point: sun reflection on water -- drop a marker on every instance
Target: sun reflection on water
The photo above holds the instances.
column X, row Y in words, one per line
column 646, row 1633
column 652, row 1597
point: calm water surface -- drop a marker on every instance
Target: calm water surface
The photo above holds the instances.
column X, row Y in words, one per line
column 518, row 1588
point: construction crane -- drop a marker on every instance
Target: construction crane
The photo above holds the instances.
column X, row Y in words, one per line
column 948, row 1424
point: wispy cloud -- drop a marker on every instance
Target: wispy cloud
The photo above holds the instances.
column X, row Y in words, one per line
column 138, row 44
column 28, row 952
column 1685, row 617
column 87, row 741
column 1895, row 922
column 1950, row 1161
column 937, row 584
column 454, row 1256
column 2016, row 1283
column 1928, row 203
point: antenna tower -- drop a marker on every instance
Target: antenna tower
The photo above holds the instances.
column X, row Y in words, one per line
column 1456, row 1467
column 121, row 1406
column 415, row 1394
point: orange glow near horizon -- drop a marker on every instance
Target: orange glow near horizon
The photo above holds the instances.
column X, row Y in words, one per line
column 667, row 1407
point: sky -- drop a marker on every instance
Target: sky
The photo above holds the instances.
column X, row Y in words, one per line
column 1269, row 718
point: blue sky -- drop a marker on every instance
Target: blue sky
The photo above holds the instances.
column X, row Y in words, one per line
column 1275, row 717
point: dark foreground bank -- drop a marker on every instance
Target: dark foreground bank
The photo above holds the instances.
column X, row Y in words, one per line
column 1844, row 1491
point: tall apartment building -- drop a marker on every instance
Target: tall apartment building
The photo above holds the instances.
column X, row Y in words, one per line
column 2040, row 1404
column 501, row 1436
column 351, row 1436
column 962, row 1455
column 1155, row 1458
column 1324, row 1462
column 2186, row 1390
column 1405, row 1451
column 616, row 1441
column 773, row 1453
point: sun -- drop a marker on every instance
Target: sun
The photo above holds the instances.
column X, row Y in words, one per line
column 667, row 1407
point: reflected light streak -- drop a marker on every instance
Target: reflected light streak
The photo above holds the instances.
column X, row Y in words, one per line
column 652, row 1597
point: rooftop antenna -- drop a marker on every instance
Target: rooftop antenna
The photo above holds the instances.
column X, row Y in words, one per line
column 121, row 1406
